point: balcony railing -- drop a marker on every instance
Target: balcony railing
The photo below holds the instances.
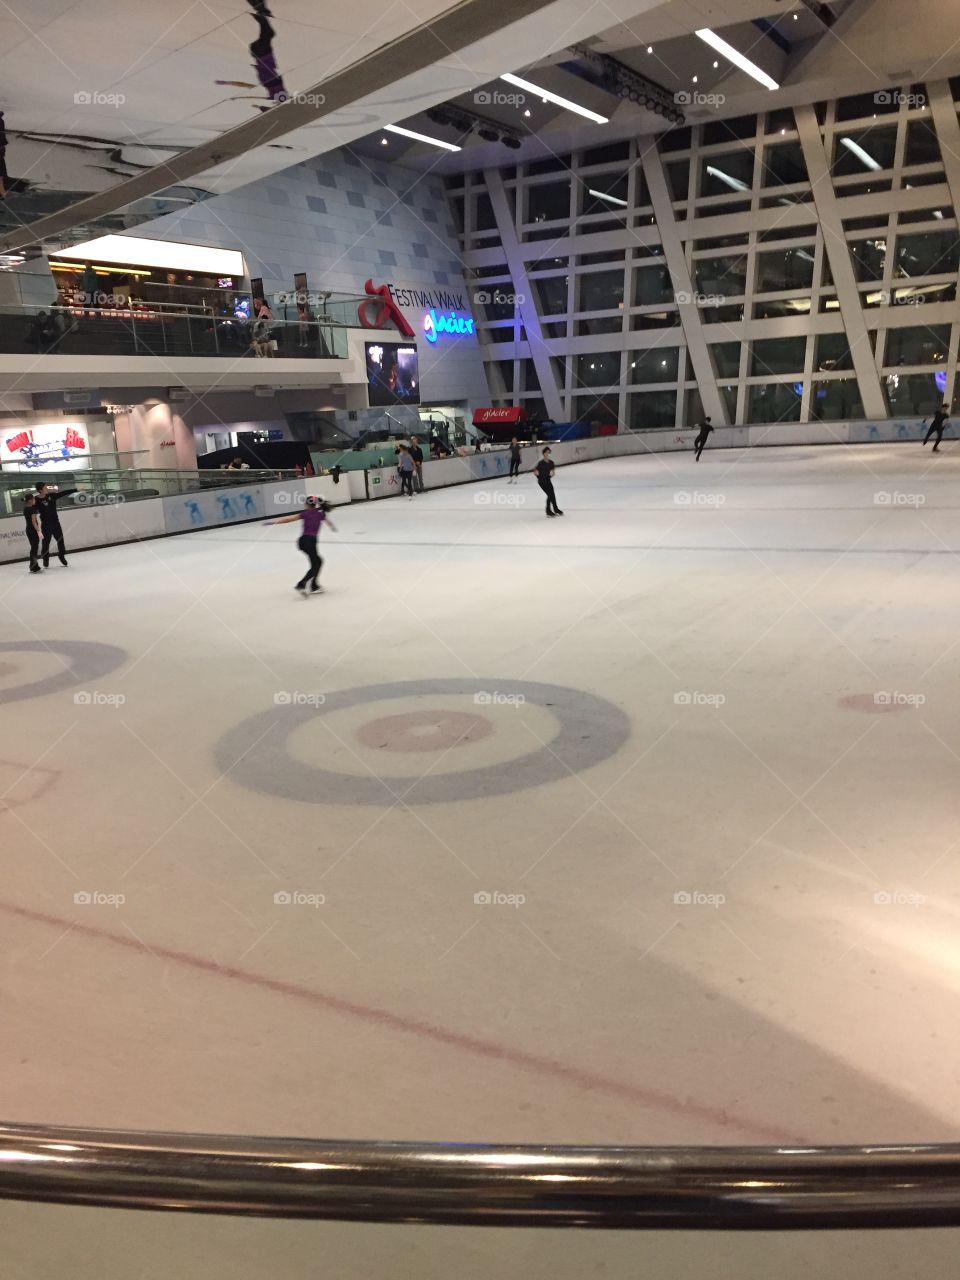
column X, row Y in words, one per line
column 162, row 330
column 740, row 1188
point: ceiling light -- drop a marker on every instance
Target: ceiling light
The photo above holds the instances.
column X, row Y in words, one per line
column 694, row 79
column 736, row 57
column 715, row 65
column 863, row 156
column 384, row 142
column 736, row 183
column 649, row 48
column 422, row 137
column 555, row 98
column 602, row 195
column 527, row 112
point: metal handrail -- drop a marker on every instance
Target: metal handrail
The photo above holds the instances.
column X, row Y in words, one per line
column 715, row 1188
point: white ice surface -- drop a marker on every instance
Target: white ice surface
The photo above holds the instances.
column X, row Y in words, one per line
column 600, row 1010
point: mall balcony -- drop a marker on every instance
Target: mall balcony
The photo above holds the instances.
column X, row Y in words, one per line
column 148, row 344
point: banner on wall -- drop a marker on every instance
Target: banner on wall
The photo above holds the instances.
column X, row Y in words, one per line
column 201, row 510
column 50, row 446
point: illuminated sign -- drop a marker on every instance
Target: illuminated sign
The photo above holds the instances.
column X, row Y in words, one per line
column 387, row 311
column 47, row 446
column 434, row 325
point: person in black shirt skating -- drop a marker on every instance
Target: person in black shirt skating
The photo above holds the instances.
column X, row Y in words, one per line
column 47, row 496
column 416, row 453
column 544, row 472
column 704, row 429
column 514, row 462
column 937, row 424
column 30, row 515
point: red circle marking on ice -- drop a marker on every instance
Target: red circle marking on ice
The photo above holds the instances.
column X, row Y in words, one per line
column 874, row 703
column 424, row 731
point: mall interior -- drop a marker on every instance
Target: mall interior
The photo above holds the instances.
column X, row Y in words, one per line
column 575, row 888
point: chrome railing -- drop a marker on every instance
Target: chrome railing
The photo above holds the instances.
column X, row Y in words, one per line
column 741, row 1188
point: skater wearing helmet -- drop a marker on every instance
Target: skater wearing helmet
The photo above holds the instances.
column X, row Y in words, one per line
column 313, row 516
column 544, row 472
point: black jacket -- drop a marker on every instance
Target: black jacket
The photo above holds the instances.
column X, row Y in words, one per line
column 47, row 508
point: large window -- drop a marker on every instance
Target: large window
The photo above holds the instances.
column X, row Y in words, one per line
column 832, row 352
column 552, row 293
column 777, row 355
column 928, row 253
column 678, row 178
column 601, row 370
column 649, row 410
column 652, row 285
column 723, row 174
column 781, row 269
column 600, row 290
column 774, row 402
column 548, row 201
column 861, row 150
column 922, row 146
column 921, row 345
column 783, row 165
column 603, row 193
column 721, row 277
column 659, row 364
column 836, row 400
column 726, row 359
column 869, row 258
column 913, row 394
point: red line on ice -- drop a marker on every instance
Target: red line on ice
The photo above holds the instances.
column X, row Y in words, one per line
column 589, row 1080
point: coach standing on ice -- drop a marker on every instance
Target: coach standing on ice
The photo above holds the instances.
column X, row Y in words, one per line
column 47, row 496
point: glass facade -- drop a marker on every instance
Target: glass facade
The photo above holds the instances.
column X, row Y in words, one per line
column 757, row 286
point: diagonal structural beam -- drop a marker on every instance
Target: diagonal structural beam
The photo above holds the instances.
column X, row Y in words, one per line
column 457, row 29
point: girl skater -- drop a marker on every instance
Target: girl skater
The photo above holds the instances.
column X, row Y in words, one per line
column 313, row 516
column 514, row 462
column 32, row 518
column 544, row 472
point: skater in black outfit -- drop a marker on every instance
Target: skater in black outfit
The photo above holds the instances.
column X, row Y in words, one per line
column 30, row 515
column 514, row 462
column 313, row 516
column 47, row 496
column 704, row 429
column 544, row 472
column 937, row 424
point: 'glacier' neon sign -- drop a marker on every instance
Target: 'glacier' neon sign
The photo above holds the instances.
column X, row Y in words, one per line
column 452, row 322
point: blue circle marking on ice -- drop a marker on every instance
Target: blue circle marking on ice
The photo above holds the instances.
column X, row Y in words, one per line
column 83, row 661
column 254, row 753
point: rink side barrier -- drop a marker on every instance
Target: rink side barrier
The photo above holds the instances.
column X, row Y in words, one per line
column 108, row 524
column 453, row 1183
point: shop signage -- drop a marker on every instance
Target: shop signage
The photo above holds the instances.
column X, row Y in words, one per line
column 499, row 413
column 383, row 309
column 434, row 325
column 49, row 445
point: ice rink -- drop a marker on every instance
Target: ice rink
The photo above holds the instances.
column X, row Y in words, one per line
column 694, row 745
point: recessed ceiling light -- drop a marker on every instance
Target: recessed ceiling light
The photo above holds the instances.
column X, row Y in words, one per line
column 694, row 79
column 649, row 48
column 384, row 142
column 527, row 112
column 715, row 65
column 736, row 57
column 555, row 98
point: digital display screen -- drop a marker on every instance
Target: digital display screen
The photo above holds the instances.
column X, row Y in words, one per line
column 225, row 282
column 393, row 376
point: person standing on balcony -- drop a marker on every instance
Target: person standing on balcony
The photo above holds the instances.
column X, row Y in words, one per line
column 32, row 518
column 47, row 497
column 91, row 286
column 416, row 453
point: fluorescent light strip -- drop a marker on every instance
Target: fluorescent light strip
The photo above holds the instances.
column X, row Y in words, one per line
column 863, row 156
column 134, row 250
column 555, row 98
column 422, row 137
column 735, row 183
column 736, row 57
column 602, row 195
